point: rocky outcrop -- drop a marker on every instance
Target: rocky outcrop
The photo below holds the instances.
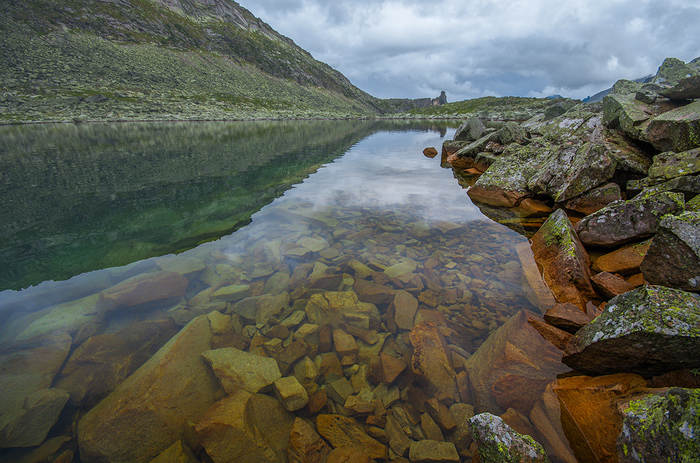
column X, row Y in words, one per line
column 661, row 427
column 648, row 331
column 673, row 258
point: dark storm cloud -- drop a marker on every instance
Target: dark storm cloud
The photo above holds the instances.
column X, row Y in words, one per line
column 416, row 48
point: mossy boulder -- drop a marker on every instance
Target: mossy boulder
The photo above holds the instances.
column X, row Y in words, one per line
column 672, row 71
column 675, row 130
column 499, row 443
column 661, row 427
column 648, row 331
column 624, row 221
column 470, row 130
column 564, row 262
column 670, row 165
column 673, row 258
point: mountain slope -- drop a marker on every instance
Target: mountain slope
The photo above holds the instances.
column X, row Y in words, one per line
column 136, row 59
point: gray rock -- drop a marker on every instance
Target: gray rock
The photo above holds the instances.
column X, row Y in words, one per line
column 675, row 130
column 572, row 171
column 623, row 221
column 237, row 369
column 499, row 443
column 670, row 165
column 648, row 331
column 673, row 258
column 686, row 89
column 672, row 71
column 470, row 130
column 554, row 111
column 513, row 132
column 431, row 451
column 661, row 427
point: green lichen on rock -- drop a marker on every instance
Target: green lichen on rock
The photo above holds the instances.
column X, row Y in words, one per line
column 499, row 443
column 647, row 331
column 661, row 428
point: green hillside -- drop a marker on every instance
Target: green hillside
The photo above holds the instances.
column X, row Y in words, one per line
column 158, row 59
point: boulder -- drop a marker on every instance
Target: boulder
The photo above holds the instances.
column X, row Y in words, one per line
column 546, row 418
column 430, row 152
column 461, row 437
column 610, row 285
column 564, row 262
column 79, row 316
column 431, row 361
column 595, row 199
column 512, row 367
column 673, row 70
column 687, row 88
column 499, row 443
column 103, row 362
column 143, row 289
column 305, row 445
column 228, row 431
column 153, row 405
column 625, row 261
column 342, row 431
column 589, row 412
column 512, row 132
column 368, row 291
column 624, row 221
column 237, row 369
column 676, row 130
column 669, row 165
column 673, row 258
column 571, row 171
column 470, row 130
column 661, row 427
column 29, row 425
column 648, row 331
column 431, row 451
column 567, row 317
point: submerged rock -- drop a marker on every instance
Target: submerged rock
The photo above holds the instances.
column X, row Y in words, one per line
column 499, row 443
column 673, row 258
column 342, row 431
column 153, row 405
column 237, row 369
column 589, row 412
column 512, row 367
column 661, row 427
column 431, row 361
column 648, row 331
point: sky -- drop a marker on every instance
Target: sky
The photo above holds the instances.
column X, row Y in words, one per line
column 475, row 48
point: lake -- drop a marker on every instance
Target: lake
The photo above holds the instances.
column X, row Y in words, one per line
column 335, row 248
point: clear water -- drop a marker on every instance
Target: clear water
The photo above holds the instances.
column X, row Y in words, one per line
column 290, row 215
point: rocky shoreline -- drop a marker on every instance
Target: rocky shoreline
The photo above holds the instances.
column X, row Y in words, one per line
column 358, row 338
column 612, row 190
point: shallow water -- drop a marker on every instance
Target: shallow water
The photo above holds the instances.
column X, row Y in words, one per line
column 377, row 218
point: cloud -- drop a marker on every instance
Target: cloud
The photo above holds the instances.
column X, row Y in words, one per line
column 416, row 48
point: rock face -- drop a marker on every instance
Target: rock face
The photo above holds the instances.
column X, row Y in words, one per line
column 648, row 331
column 564, row 261
column 624, row 221
column 661, row 427
column 512, row 367
column 153, row 405
column 673, row 258
column 499, row 443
